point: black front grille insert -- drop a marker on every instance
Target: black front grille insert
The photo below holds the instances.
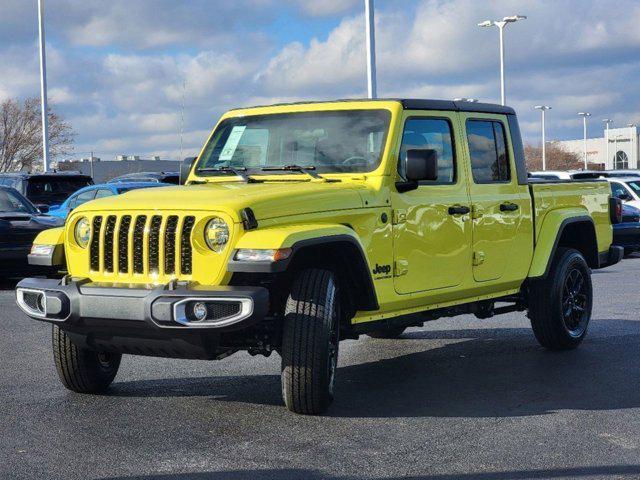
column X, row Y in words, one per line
column 94, row 248
column 185, row 245
column 109, row 231
column 138, row 244
column 154, row 243
column 123, row 244
column 170, row 245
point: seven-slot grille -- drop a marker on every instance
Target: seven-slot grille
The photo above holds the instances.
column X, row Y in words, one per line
column 141, row 244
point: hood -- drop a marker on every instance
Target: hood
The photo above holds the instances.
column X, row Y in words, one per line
column 267, row 200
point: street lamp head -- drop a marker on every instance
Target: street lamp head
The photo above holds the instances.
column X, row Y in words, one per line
column 607, row 120
column 542, row 107
column 486, row 23
column 584, row 114
column 514, row 18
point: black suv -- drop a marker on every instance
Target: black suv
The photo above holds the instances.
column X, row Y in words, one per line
column 45, row 188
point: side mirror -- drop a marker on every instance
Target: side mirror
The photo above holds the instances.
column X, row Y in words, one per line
column 419, row 165
column 43, row 208
column 185, row 169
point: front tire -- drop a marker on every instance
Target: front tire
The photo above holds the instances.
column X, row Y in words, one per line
column 82, row 370
column 560, row 305
column 310, row 339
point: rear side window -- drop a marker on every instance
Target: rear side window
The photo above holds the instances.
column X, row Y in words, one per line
column 81, row 198
column 618, row 190
column 103, row 192
column 433, row 134
column 61, row 185
column 488, row 151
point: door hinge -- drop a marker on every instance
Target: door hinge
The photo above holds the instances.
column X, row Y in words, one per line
column 399, row 216
column 476, row 212
column 400, row 267
column 478, row 258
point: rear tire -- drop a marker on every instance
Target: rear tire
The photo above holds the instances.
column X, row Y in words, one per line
column 388, row 333
column 560, row 304
column 310, row 341
column 82, row 370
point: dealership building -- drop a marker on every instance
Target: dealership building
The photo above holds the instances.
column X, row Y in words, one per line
column 617, row 149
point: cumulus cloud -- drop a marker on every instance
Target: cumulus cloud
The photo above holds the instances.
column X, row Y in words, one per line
column 121, row 70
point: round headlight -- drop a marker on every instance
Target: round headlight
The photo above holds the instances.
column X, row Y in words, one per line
column 82, row 232
column 216, row 234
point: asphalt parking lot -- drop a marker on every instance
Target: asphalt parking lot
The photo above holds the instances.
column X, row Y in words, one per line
column 458, row 399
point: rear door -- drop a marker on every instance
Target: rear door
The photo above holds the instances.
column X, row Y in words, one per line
column 431, row 231
column 501, row 207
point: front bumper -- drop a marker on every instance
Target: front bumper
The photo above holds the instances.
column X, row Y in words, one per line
column 80, row 302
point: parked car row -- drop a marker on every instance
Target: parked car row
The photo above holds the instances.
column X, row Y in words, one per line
column 625, row 185
column 33, row 202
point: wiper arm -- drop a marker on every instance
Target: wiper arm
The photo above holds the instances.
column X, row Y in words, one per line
column 295, row 168
column 239, row 172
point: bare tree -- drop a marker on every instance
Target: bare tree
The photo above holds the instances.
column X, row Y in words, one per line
column 557, row 158
column 21, row 135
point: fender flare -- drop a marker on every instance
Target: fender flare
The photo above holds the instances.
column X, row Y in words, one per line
column 304, row 237
column 545, row 249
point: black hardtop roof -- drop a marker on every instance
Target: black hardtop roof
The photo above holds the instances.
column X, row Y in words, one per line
column 43, row 174
column 416, row 104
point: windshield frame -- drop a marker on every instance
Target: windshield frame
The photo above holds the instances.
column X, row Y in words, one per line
column 389, row 120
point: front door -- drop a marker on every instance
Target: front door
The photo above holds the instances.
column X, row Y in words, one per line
column 432, row 232
column 501, row 208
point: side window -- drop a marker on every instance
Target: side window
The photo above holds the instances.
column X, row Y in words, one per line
column 103, row 192
column 488, row 151
column 434, row 134
column 618, row 190
column 84, row 197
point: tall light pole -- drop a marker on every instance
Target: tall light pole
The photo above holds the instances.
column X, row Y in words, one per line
column 43, row 88
column 607, row 122
column 372, row 87
column 584, row 116
column 501, row 24
column 543, row 109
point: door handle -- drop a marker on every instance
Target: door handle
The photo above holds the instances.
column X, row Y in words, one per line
column 459, row 210
column 508, row 207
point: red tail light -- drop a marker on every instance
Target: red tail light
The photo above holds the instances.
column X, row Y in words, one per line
column 615, row 210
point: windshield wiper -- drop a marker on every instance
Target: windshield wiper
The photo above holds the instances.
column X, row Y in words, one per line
column 295, row 168
column 239, row 172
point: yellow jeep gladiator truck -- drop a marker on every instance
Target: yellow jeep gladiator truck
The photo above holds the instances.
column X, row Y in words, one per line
column 303, row 224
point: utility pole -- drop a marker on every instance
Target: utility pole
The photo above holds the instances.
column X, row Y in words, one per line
column 43, row 88
column 501, row 24
column 372, row 87
column 584, row 116
column 543, row 109
column 607, row 122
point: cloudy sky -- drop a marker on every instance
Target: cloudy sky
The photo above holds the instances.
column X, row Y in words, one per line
column 118, row 69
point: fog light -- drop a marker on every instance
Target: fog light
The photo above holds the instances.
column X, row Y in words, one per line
column 199, row 311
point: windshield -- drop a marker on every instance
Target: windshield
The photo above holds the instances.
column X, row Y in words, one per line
column 330, row 142
column 635, row 186
column 13, row 202
column 137, row 187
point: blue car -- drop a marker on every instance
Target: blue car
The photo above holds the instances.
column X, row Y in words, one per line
column 627, row 233
column 97, row 191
